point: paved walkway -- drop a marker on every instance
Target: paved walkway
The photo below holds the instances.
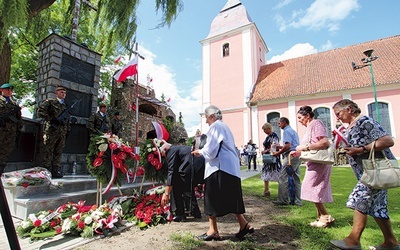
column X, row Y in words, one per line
column 68, row 242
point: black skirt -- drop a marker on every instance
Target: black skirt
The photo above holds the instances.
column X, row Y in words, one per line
column 223, row 194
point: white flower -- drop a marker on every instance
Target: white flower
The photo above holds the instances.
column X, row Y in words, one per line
column 66, row 225
column 153, row 149
column 103, row 147
column 149, row 150
column 25, row 224
column 88, row 220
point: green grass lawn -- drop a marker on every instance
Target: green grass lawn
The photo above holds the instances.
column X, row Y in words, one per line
column 342, row 181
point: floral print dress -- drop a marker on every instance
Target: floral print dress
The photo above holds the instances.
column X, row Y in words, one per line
column 271, row 172
column 363, row 198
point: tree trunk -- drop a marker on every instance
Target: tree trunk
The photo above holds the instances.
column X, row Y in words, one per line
column 5, row 62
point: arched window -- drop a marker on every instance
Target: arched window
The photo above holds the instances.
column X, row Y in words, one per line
column 383, row 114
column 273, row 118
column 324, row 114
column 225, row 50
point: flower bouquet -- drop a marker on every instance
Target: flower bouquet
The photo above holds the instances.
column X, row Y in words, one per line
column 110, row 160
column 28, row 177
column 145, row 210
column 151, row 161
column 72, row 219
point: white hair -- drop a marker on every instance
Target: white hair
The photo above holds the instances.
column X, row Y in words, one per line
column 213, row 110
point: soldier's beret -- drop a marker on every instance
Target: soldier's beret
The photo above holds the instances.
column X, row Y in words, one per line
column 7, row 86
column 116, row 113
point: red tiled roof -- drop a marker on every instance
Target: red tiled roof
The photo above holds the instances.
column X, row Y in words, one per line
column 329, row 71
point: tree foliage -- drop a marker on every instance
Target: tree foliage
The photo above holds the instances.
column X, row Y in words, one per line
column 24, row 23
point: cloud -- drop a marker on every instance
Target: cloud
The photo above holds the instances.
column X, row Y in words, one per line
column 300, row 49
column 164, row 82
column 283, row 4
column 322, row 14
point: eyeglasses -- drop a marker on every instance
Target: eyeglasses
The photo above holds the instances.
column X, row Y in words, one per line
column 338, row 113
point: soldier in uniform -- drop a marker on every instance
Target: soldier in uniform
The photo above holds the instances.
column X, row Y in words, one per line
column 55, row 131
column 98, row 122
column 116, row 124
column 10, row 123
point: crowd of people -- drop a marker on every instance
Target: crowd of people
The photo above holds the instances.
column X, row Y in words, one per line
column 216, row 164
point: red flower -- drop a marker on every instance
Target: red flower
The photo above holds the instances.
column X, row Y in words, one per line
column 53, row 223
column 98, row 161
column 113, row 146
column 140, row 171
column 100, row 154
column 127, row 149
column 58, row 230
column 135, row 157
column 37, row 223
column 124, row 168
column 122, row 155
column 115, row 158
column 81, row 224
column 159, row 166
column 150, row 157
column 25, row 184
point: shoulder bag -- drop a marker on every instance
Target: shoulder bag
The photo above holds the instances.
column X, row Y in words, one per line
column 380, row 173
column 320, row 156
column 268, row 159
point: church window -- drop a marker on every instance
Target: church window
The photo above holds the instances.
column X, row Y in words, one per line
column 225, row 50
column 383, row 109
column 324, row 115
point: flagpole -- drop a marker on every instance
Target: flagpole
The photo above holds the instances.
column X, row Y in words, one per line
column 137, row 103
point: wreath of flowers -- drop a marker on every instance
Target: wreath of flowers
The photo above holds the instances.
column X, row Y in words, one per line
column 28, row 177
column 110, row 160
column 70, row 219
column 152, row 161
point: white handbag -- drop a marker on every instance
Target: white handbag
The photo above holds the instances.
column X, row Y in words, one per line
column 321, row 156
column 380, row 173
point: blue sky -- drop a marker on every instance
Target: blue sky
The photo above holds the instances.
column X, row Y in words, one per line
column 290, row 28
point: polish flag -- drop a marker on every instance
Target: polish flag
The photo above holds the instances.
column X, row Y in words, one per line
column 161, row 131
column 128, row 70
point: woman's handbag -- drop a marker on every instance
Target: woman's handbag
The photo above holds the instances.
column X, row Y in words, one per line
column 380, row 173
column 321, row 156
column 268, row 159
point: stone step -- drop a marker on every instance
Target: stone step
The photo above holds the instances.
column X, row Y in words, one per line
column 32, row 199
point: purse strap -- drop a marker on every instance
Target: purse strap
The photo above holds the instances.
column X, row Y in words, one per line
column 372, row 152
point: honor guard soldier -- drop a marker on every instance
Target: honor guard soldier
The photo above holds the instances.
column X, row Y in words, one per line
column 57, row 126
column 10, row 123
column 116, row 124
column 98, row 122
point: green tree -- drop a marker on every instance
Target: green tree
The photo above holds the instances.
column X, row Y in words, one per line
column 24, row 23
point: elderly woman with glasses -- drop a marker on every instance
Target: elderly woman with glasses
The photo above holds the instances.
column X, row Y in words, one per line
column 360, row 133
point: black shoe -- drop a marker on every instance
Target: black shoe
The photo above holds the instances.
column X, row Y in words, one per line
column 278, row 203
column 244, row 231
column 196, row 215
column 56, row 172
column 178, row 218
column 205, row 237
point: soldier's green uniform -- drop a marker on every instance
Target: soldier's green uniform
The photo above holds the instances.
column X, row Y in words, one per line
column 10, row 125
column 55, row 134
column 116, row 125
column 98, row 124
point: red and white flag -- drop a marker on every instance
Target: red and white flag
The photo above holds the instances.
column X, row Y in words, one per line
column 117, row 59
column 128, row 70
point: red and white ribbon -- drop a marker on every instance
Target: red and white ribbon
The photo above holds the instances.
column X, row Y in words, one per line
column 113, row 176
column 339, row 136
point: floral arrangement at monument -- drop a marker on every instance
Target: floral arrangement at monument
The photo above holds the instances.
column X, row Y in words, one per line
column 28, row 177
column 71, row 218
column 152, row 162
column 78, row 219
column 110, row 160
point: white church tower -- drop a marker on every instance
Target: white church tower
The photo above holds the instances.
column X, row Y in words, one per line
column 233, row 53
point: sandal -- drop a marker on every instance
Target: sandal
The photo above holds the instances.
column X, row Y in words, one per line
column 244, row 231
column 205, row 237
column 267, row 194
column 323, row 221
